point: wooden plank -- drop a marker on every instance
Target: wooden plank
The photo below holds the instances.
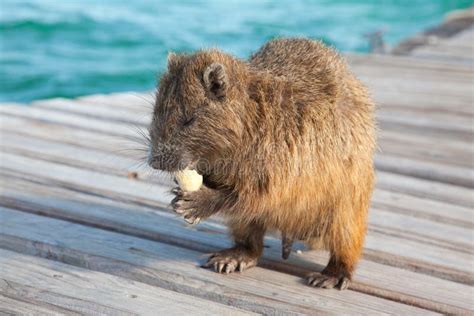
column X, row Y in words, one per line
column 431, row 76
column 422, row 108
column 166, row 266
column 89, row 292
column 80, row 179
column 423, row 208
column 402, row 125
column 426, row 189
column 71, row 135
column 97, row 160
column 119, row 130
column 147, row 223
column 405, row 84
column 444, row 50
column 388, row 62
column 459, row 104
column 10, row 306
column 106, row 160
column 444, row 121
column 436, row 233
column 427, row 149
column 104, row 111
column 426, row 170
column 131, row 100
column 466, row 36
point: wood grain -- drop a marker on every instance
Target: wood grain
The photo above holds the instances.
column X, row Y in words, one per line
column 89, row 292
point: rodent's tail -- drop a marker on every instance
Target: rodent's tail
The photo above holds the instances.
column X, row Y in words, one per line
column 286, row 245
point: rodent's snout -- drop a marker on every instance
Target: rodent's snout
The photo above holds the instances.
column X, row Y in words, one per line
column 158, row 160
column 154, row 162
column 167, row 159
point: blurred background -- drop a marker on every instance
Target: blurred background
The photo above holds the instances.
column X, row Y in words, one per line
column 72, row 48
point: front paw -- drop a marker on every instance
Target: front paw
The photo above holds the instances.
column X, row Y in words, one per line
column 189, row 205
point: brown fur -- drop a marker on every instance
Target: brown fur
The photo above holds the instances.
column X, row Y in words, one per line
column 285, row 141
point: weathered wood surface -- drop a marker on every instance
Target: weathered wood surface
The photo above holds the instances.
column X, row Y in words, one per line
column 452, row 41
column 459, row 48
column 170, row 267
column 147, row 223
column 88, row 292
column 66, row 198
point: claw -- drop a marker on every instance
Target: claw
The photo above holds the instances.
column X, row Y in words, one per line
column 182, row 205
column 191, row 219
column 176, row 191
column 344, row 284
column 241, row 266
column 220, row 266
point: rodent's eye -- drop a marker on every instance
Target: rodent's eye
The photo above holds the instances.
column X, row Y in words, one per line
column 189, row 121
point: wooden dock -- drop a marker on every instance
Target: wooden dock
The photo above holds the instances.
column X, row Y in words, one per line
column 86, row 230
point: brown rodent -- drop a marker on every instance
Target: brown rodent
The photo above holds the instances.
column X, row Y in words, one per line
column 285, row 141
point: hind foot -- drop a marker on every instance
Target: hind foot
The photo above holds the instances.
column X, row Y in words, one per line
column 231, row 260
column 328, row 281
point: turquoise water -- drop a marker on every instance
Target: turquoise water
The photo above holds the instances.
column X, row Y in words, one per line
column 71, row 48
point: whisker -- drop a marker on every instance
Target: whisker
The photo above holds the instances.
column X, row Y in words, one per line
column 149, row 102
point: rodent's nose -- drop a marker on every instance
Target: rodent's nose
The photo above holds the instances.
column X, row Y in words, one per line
column 166, row 158
column 161, row 161
column 153, row 161
column 158, row 164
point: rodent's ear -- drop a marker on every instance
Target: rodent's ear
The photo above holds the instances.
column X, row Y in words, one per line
column 173, row 60
column 215, row 80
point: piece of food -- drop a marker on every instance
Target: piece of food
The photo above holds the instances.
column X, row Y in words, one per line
column 188, row 180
